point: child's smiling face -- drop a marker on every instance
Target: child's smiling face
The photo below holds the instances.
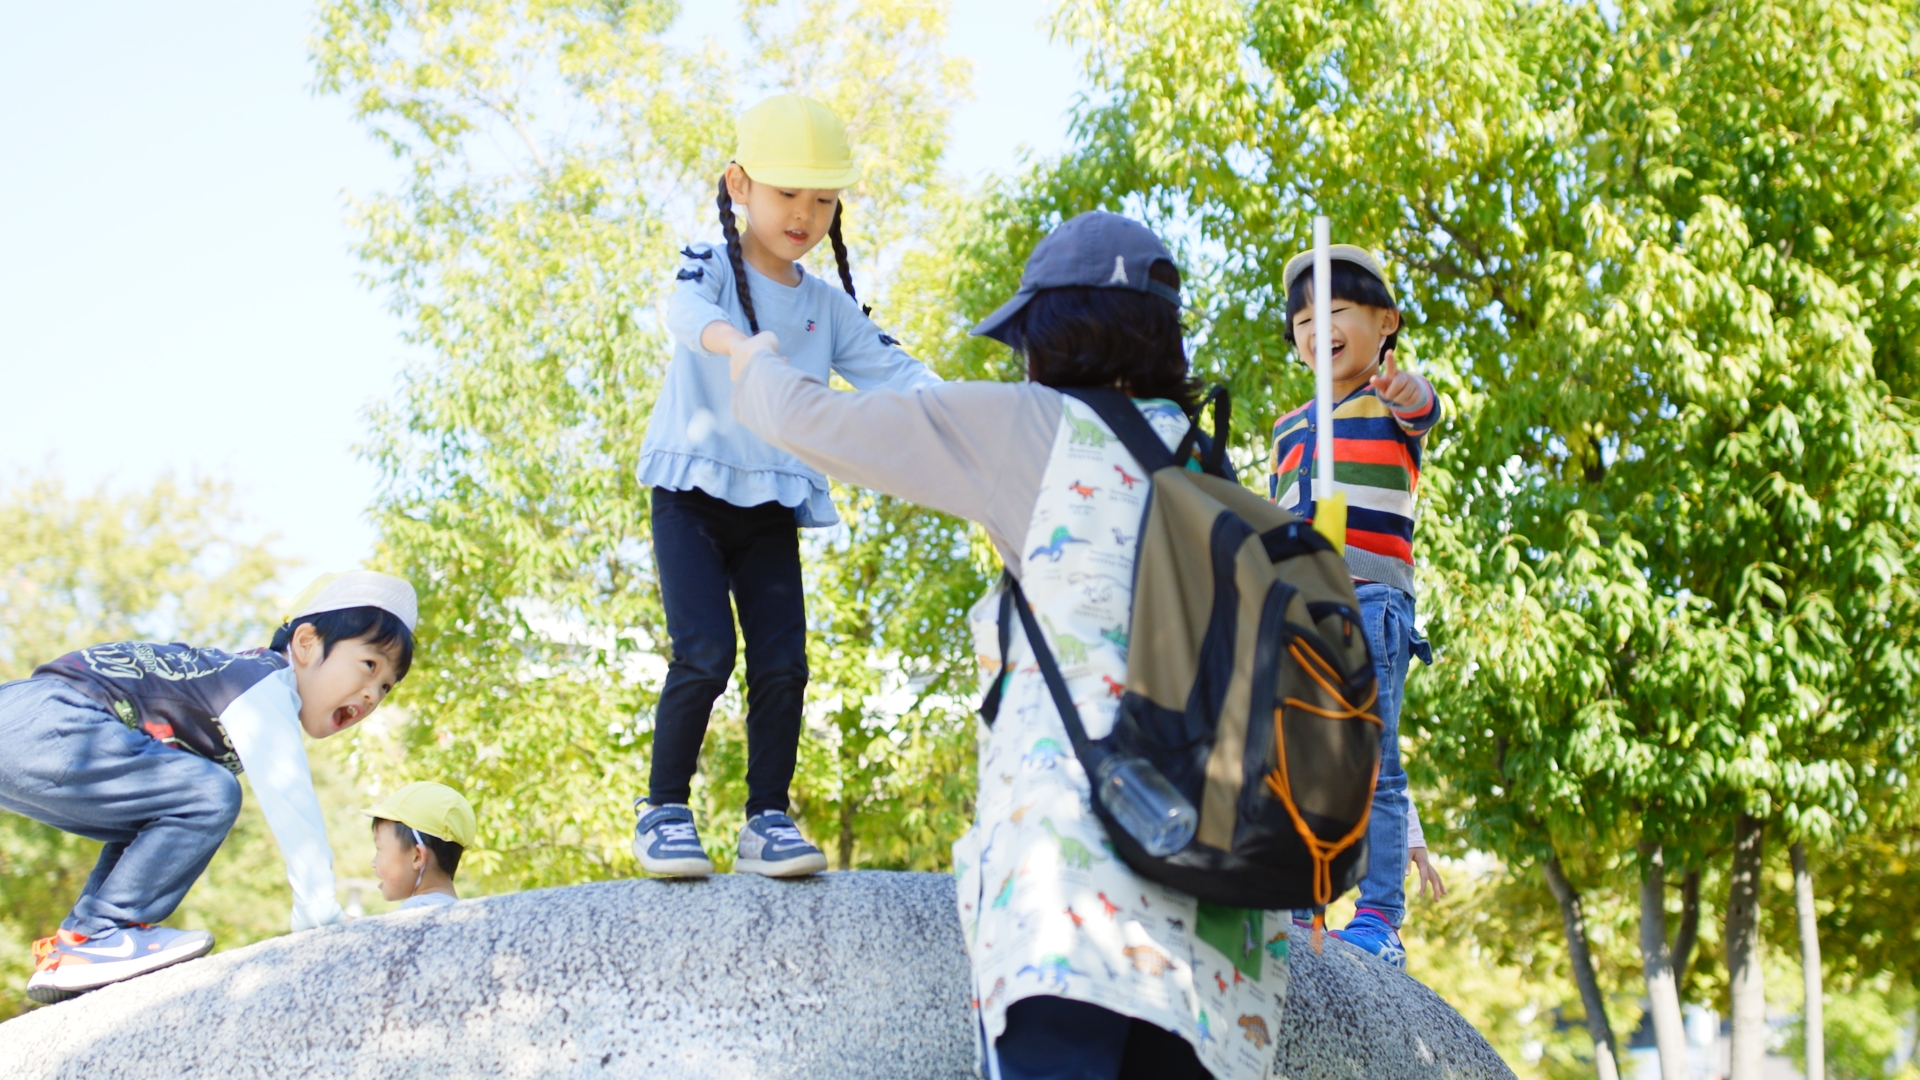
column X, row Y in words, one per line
column 338, row 689
column 1356, row 334
column 786, row 223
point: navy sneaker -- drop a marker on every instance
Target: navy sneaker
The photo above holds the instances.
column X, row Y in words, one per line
column 771, row 844
column 1368, row 930
column 68, row 965
column 666, row 842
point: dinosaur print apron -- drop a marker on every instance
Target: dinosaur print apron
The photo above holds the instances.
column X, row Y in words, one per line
column 1047, row 906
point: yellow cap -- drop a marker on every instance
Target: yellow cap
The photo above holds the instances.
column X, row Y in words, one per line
column 434, row 809
column 794, row 141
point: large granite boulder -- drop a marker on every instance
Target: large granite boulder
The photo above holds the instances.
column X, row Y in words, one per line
column 839, row 977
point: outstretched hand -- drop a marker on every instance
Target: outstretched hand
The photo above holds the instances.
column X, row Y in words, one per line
column 744, row 350
column 1431, row 886
column 1397, row 388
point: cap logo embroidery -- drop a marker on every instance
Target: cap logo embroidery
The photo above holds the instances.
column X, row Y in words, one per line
column 1119, row 271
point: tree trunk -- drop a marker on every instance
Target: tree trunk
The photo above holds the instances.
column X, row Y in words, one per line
column 1746, row 983
column 1605, row 1059
column 1689, row 932
column 1663, row 994
column 1811, row 1015
column 846, row 832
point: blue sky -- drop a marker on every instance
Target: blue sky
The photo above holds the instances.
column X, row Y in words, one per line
column 176, row 290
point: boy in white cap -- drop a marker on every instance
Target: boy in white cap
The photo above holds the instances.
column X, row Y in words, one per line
column 419, row 834
column 138, row 745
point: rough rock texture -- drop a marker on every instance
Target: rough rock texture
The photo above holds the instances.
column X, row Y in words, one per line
column 840, row 977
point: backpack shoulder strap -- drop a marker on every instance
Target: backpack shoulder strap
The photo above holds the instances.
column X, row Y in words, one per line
column 1138, row 436
column 1090, row 756
column 990, row 705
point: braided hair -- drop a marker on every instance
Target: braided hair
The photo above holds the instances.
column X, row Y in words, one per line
column 840, row 256
column 730, row 230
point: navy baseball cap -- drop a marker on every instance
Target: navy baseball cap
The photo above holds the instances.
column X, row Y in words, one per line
column 1095, row 249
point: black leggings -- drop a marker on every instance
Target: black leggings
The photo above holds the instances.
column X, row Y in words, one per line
column 1053, row 1038
column 704, row 549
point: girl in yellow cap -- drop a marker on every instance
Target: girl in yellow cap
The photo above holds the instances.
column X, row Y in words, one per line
column 727, row 506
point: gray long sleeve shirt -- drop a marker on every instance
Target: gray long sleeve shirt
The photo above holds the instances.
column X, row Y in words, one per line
column 975, row 450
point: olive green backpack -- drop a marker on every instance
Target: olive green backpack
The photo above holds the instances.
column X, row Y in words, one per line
column 1249, row 682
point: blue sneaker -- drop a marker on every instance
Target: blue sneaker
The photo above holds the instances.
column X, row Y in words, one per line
column 771, row 844
column 1370, row 931
column 666, row 842
column 68, row 965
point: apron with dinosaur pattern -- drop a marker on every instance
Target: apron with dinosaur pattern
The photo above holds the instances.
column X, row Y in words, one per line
column 1047, row 906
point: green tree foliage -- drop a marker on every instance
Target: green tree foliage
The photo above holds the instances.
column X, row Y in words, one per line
column 1657, row 260
column 558, row 156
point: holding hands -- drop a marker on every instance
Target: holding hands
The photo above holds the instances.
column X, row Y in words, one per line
column 1402, row 390
column 746, row 348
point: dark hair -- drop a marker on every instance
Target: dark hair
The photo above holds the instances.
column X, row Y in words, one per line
column 378, row 627
column 730, row 231
column 1351, row 283
column 446, row 853
column 1090, row 336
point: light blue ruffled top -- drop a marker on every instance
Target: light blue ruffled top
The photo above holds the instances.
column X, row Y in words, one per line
column 692, row 439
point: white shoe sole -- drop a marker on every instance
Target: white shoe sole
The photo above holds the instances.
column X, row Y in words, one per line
column 785, row 868
column 64, row 982
column 672, row 867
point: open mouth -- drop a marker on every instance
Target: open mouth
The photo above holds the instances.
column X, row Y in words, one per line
column 796, row 237
column 345, row 716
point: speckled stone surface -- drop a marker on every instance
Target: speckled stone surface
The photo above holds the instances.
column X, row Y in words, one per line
column 840, row 977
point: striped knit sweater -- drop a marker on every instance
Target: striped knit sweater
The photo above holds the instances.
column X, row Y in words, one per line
column 1376, row 462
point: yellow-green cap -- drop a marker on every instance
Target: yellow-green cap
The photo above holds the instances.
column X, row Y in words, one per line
column 793, row 141
column 434, row 809
column 1358, row 256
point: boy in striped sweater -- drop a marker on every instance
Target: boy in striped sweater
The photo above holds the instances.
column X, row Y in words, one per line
column 1380, row 416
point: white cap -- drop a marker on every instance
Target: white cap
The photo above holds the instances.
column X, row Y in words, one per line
column 358, row 588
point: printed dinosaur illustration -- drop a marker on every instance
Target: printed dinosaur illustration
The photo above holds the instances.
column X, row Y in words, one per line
column 1072, row 650
column 1020, row 812
column 1118, row 636
column 1085, row 432
column 1046, row 754
column 1220, row 982
column 1082, row 490
column 1072, row 852
column 1109, row 905
column 1006, row 894
column 1062, row 536
column 1206, row 1029
column 1097, row 588
column 1053, row 968
column 1277, row 946
column 1077, row 918
column 1127, row 479
column 1123, row 538
column 999, row 988
column 1148, row 959
column 1255, row 1029
column 1114, row 689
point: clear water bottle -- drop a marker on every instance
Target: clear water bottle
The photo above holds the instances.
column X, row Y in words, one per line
column 1159, row 818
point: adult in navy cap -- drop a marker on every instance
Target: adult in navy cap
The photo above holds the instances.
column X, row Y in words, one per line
column 1081, row 967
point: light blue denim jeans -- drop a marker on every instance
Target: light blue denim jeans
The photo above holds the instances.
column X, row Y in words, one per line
column 67, row 762
column 1388, row 615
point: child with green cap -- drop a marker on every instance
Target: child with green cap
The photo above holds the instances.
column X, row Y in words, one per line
column 419, row 834
column 139, row 745
column 727, row 507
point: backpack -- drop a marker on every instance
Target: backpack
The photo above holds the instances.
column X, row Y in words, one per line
column 1249, row 682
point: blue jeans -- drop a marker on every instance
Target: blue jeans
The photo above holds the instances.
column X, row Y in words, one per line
column 67, row 762
column 1388, row 615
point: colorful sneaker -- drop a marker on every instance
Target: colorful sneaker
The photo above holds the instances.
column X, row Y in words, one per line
column 666, row 842
column 1370, row 931
column 771, row 844
column 67, row 964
